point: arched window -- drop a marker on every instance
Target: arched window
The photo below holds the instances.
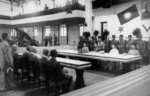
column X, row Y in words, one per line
column 63, row 30
column 13, row 33
column 35, row 33
column 81, row 28
column 47, row 30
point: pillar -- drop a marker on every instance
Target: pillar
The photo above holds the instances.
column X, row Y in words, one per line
column 88, row 16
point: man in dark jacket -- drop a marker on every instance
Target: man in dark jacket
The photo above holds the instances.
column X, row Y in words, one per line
column 58, row 72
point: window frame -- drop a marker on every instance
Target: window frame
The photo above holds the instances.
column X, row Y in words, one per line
column 46, row 32
column 35, row 32
column 13, row 33
column 63, row 30
column 83, row 29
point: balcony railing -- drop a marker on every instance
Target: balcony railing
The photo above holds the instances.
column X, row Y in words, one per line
column 66, row 8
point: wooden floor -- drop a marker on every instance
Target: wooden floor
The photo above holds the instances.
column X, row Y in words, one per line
column 90, row 76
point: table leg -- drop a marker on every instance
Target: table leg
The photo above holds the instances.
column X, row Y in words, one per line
column 126, row 67
column 79, row 79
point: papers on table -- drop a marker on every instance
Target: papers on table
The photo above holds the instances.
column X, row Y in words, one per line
column 100, row 56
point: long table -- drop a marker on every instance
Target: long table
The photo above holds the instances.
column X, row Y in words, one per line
column 123, row 58
column 100, row 56
column 79, row 67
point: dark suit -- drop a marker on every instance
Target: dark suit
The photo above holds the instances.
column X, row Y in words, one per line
column 26, row 54
column 25, row 58
column 44, row 60
column 58, row 71
column 58, row 68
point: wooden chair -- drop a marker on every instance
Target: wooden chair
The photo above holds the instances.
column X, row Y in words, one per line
column 24, row 69
column 17, row 65
column 41, row 73
column 33, row 68
column 52, row 79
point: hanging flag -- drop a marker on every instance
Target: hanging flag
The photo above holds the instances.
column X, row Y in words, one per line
column 128, row 14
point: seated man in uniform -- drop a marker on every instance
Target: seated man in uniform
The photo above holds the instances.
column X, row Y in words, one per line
column 33, row 55
column 59, row 73
column 26, row 55
column 27, row 52
column 113, row 51
column 45, row 56
column 85, row 49
column 133, row 50
column 74, row 46
column 14, row 50
column 33, row 49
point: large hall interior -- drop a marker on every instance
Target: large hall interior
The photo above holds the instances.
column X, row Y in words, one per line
column 74, row 47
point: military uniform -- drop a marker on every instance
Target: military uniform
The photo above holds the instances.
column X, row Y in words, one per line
column 122, row 46
column 129, row 44
column 141, row 45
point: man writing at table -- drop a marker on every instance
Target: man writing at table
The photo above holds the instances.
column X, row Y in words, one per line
column 59, row 69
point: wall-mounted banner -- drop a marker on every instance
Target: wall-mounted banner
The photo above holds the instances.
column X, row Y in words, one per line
column 145, row 28
column 128, row 14
column 145, row 9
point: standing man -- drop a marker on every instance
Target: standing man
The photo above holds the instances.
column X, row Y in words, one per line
column 46, row 7
column 114, row 41
column 6, row 63
column 141, row 46
column 107, row 44
column 46, row 41
column 55, row 40
column 50, row 40
column 129, row 43
column 121, row 45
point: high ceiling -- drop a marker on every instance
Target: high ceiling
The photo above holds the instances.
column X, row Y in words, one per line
column 107, row 3
column 19, row 2
column 96, row 3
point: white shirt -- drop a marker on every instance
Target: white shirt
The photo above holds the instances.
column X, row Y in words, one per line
column 114, row 51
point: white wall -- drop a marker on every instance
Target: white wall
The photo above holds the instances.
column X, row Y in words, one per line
column 110, row 15
column 32, row 7
column 16, row 11
column 5, row 9
column 73, row 33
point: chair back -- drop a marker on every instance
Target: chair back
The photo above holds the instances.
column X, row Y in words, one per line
column 51, row 73
column 17, row 59
column 33, row 64
column 25, row 61
column 41, row 64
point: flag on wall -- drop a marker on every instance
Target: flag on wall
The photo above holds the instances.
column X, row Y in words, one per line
column 128, row 14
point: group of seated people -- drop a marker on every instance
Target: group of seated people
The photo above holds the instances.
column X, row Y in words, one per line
column 48, row 58
column 121, row 46
column 61, row 74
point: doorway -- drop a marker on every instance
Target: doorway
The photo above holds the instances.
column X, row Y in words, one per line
column 103, row 27
column 63, row 35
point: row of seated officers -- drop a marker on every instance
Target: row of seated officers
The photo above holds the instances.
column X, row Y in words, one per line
column 58, row 71
column 141, row 47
